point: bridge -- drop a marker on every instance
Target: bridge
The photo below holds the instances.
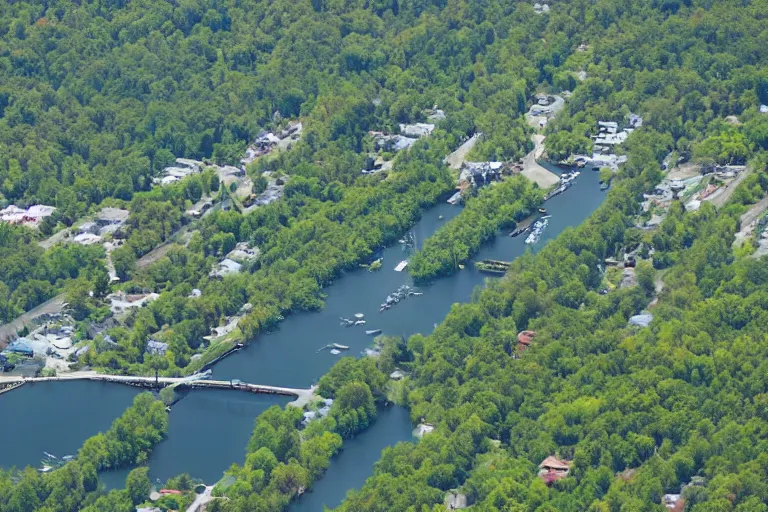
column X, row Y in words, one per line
column 197, row 381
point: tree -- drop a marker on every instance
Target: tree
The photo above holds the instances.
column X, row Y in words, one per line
column 137, row 485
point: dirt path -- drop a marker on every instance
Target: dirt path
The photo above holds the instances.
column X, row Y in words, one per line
column 722, row 196
column 458, row 157
column 531, row 168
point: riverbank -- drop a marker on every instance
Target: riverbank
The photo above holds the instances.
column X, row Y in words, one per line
column 287, row 357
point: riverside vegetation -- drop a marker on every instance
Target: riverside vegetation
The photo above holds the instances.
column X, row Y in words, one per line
column 684, row 397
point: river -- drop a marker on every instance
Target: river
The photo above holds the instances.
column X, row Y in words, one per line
column 205, row 444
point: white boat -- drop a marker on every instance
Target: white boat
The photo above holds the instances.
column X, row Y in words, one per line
column 373, row 332
column 335, row 352
column 339, row 346
column 401, row 266
column 359, row 316
column 360, row 322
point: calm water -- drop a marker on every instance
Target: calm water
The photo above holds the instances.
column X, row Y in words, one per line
column 56, row 418
column 355, row 463
column 209, row 429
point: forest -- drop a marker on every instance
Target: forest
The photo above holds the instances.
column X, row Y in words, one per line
column 97, row 97
column 494, row 208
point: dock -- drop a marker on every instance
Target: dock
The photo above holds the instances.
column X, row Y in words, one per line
column 303, row 396
column 493, row 266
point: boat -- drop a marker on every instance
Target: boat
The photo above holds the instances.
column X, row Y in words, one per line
column 360, row 322
column 604, row 186
column 401, row 266
column 373, row 332
column 461, row 267
column 440, row 218
column 335, row 352
column 493, row 266
column 537, row 230
column 45, row 469
column 542, row 210
column 346, row 322
column 417, row 294
column 359, row 316
column 338, row 346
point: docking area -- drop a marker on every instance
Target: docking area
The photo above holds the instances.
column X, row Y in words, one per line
column 197, row 381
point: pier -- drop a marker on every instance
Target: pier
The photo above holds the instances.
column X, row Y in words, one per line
column 197, row 381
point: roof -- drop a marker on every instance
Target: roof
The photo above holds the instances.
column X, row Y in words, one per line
column 40, row 210
column 641, row 320
column 526, row 337
column 156, row 347
column 555, row 463
column 20, row 345
column 113, row 215
column 87, row 239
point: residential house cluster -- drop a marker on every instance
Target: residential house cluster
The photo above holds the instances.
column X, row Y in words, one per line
column 234, row 260
column 30, row 217
column 121, row 302
column 184, row 167
column 609, row 134
column 105, row 223
column 267, row 141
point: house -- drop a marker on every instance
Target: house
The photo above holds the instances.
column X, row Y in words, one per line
column 525, row 338
column 635, row 121
column 156, row 347
column 674, row 502
column 423, row 429
column 553, row 469
column 110, row 220
column 120, row 302
column 435, row 114
column 417, row 130
column 225, row 267
column 455, row 501
column 31, row 216
column 87, row 239
column 243, row 252
column 21, row 346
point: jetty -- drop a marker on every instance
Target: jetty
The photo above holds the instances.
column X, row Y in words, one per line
column 197, row 381
column 493, row 266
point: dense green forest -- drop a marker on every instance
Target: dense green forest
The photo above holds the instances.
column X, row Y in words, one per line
column 97, row 97
column 495, row 207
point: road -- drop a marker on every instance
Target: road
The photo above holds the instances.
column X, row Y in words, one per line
column 55, row 305
column 458, row 157
column 720, row 197
column 201, row 499
column 531, row 168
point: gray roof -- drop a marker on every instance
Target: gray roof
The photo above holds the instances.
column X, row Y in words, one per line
column 157, row 347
